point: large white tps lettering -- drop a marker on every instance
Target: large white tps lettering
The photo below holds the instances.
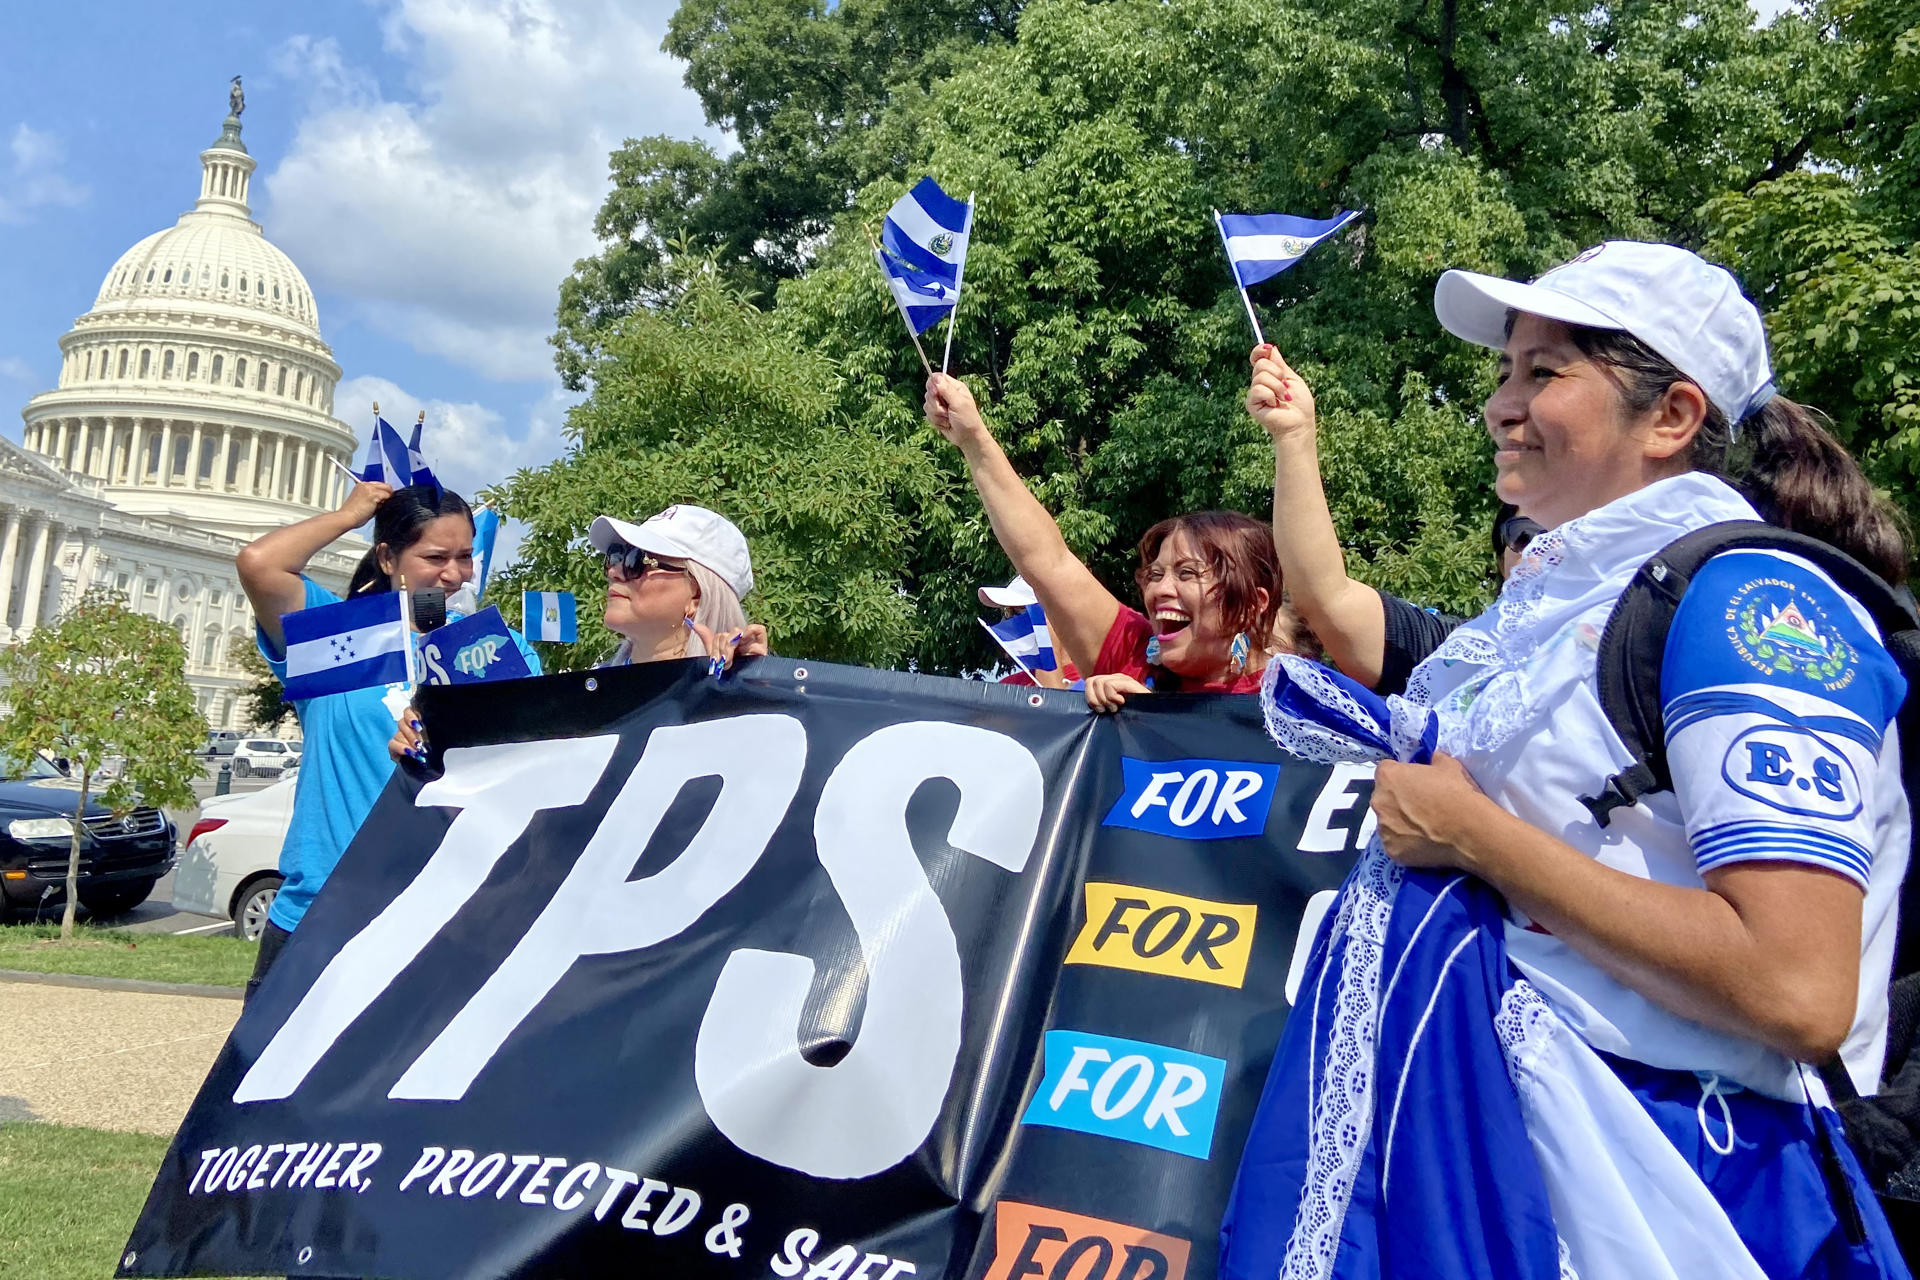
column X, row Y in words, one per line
column 877, row 1105
column 497, row 789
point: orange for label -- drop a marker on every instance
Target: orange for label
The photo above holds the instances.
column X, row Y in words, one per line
column 1032, row 1243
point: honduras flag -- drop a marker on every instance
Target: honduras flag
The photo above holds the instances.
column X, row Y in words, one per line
column 416, row 464
column 387, row 459
column 1027, row 640
column 357, row 644
column 548, row 615
column 1265, row 244
column 925, row 249
column 486, row 527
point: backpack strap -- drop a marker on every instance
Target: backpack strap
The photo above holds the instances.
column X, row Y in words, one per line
column 1634, row 643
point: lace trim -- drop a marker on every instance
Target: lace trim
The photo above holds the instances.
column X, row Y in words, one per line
column 1312, row 741
column 1524, row 1024
column 1342, row 1120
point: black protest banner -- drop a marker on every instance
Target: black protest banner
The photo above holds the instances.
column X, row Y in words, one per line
column 812, row 972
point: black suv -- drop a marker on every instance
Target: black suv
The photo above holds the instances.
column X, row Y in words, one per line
column 121, row 858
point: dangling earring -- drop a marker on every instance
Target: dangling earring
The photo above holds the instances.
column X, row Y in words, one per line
column 1237, row 653
column 1153, row 651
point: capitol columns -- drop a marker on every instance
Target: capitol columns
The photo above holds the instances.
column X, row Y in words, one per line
column 279, row 459
column 165, row 478
column 9, row 553
column 36, row 584
column 220, row 459
column 300, row 473
column 193, row 457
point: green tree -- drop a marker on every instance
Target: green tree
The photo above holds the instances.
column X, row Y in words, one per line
column 102, row 681
column 705, row 400
column 1832, row 252
column 263, row 696
column 1099, row 322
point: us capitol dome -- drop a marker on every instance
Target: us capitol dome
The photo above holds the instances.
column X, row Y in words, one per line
column 194, row 412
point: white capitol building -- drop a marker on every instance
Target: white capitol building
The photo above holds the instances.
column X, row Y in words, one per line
column 194, row 412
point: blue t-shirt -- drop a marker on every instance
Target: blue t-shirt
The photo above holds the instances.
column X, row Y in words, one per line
column 342, row 772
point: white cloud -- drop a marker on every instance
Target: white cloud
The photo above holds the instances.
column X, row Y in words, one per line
column 33, row 177
column 450, row 220
column 1765, row 11
column 468, row 445
column 14, row 369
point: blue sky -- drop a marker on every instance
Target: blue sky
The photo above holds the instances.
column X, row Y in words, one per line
column 433, row 166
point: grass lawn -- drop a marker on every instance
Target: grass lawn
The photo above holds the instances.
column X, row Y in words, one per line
column 106, row 953
column 68, row 1198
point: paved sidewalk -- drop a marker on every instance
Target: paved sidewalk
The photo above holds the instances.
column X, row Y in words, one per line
column 107, row 1059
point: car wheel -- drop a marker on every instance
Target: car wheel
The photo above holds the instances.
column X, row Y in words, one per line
column 117, row 901
column 241, row 769
column 251, row 904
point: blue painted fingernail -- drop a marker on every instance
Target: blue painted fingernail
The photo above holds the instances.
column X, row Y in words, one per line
column 689, row 622
column 416, row 726
column 715, row 666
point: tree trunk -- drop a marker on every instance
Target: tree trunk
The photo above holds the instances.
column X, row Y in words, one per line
column 73, row 856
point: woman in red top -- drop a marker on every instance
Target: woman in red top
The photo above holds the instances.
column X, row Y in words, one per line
column 1209, row 580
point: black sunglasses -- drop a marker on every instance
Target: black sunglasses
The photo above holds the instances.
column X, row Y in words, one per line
column 636, row 563
column 1516, row 531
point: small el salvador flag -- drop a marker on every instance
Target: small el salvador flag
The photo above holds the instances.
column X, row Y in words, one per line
column 548, row 615
column 1026, row 639
column 925, row 248
column 1264, row 244
column 356, row 644
column 387, row 459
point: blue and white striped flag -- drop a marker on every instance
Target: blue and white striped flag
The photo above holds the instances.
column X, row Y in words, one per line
column 1264, row 244
column 486, row 528
column 924, row 249
column 1026, row 639
column 548, row 615
column 387, row 460
column 357, row 644
column 420, row 472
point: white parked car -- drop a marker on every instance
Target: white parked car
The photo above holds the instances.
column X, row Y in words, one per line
column 268, row 757
column 231, row 866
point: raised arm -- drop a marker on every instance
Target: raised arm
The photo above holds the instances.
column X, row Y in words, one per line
column 1079, row 610
column 1346, row 615
column 270, row 566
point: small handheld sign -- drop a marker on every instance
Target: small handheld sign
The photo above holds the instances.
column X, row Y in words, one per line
column 474, row 650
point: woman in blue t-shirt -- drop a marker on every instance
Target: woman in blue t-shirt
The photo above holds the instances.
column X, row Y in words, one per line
column 423, row 536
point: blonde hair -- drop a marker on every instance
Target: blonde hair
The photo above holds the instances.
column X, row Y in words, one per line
column 718, row 609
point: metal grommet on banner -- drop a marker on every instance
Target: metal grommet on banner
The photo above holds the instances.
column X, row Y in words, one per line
column 130, row 1259
column 306, row 1255
column 799, row 673
column 593, row 683
column 1035, row 700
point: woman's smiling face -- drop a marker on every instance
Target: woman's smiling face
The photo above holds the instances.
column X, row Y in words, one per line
column 1183, row 606
column 1564, row 440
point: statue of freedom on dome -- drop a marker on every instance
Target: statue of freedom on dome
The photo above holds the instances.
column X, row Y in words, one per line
column 236, row 98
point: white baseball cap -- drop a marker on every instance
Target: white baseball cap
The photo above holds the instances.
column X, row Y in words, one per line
column 685, row 532
column 1015, row 595
column 1679, row 304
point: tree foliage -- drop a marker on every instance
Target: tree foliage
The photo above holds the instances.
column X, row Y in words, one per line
column 1099, row 321
column 263, row 697
column 102, row 681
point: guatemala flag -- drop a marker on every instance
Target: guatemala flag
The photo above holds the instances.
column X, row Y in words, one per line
column 1026, row 639
column 417, row 465
column 356, row 644
column 925, row 239
column 548, row 615
column 1265, row 244
column 486, row 527
column 387, row 459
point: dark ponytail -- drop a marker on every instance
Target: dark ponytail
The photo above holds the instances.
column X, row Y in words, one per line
column 398, row 524
column 1783, row 458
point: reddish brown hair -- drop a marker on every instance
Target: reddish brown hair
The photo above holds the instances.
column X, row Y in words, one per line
column 1239, row 553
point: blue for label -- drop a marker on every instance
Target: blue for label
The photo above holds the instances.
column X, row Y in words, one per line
column 1194, row 799
column 1130, row 1090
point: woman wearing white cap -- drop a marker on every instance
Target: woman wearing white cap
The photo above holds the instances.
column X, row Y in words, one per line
column 674, row 584
column 1672, row 972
